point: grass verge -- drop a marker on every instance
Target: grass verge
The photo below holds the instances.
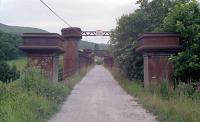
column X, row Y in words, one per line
column 20, row 63
column 176, row 107
column 32, row 98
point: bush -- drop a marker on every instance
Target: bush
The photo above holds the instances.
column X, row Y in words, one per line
column 31, row 98
column 7, row 73
column 33, row 81
column 164, row 89
column 176, row 108
column 9, row 46
column 184, row 19
column 98, row 60
column 20, row 106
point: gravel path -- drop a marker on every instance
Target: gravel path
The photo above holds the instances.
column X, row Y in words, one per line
column 99, row 98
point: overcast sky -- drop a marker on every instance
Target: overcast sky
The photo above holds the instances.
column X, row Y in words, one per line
column 86, row 14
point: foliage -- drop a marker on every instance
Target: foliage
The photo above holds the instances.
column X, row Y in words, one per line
column 167, row 104
column 16, row 105
column 20, row 63
column 99, row 60
column 90, row 45
column 9, row 46
column 164, row 88
column 8, row 73
column 123, row 42
column 185, row 19
column 31, row 82
column 181, row 16
column 31, row 99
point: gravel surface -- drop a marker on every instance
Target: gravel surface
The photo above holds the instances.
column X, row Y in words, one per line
column 99, row 98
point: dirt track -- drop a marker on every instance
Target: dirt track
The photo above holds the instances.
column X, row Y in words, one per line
column 98, row 98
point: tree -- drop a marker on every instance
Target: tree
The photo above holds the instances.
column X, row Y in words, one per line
column 9, row 45
column 7, row 73
column 147, row 18
column 2, row 55
column 185, row 19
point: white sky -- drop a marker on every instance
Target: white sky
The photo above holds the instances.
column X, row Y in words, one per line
column 86, row 14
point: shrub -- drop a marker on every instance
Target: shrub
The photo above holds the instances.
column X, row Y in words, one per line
column 164, row 89
column 184, row 19
column 20, row 106
column 32, row 80
column 176, row 108
column 31, row 98
column 7, row 73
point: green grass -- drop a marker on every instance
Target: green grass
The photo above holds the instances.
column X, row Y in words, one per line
column 19, row 63
column 32, row 98
column 22, row 62
column 174, row 108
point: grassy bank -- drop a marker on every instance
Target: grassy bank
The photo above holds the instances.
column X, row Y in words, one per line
column 20, row 63
column 32, row 98
column 167, row 104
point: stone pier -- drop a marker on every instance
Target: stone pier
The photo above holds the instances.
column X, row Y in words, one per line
column 71, row 37
column 43, row 51
column 157, row 48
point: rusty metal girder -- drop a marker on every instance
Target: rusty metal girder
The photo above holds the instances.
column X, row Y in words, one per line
column 94, row 33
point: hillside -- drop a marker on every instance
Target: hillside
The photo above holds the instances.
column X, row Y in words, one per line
column 9, row 46
column 90, row 45
column 20, row 30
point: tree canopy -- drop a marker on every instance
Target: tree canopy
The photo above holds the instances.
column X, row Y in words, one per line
column 185, row 19
column 158, row 16
column 9, row 46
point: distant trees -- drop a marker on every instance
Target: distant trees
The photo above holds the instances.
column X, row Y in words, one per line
column 156, row 16
column 8, row 50
column 9, row 46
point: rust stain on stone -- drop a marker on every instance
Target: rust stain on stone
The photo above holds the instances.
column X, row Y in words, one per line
column 71, row 37
column 157, row 49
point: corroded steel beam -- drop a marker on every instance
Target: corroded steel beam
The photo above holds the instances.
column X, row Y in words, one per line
column 96, row 33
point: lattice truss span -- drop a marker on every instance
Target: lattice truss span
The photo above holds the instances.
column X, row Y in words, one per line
column 96, row 33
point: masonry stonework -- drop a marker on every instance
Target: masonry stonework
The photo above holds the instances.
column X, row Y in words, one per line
column 71, row 37
column 157, row 48
column 42, row 51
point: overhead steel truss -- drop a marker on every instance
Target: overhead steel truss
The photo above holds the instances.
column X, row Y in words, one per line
column 95, row 33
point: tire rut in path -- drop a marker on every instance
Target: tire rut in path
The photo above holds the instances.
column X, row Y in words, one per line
column 99, row 98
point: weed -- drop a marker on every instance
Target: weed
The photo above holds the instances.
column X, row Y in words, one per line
column 169, row 105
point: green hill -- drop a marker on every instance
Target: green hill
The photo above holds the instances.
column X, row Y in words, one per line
column 20, row 30
column 90, row 45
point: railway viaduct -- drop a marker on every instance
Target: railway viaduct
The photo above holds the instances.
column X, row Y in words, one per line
column 43, row 50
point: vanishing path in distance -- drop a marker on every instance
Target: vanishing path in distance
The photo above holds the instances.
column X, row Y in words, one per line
column 99, row 98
